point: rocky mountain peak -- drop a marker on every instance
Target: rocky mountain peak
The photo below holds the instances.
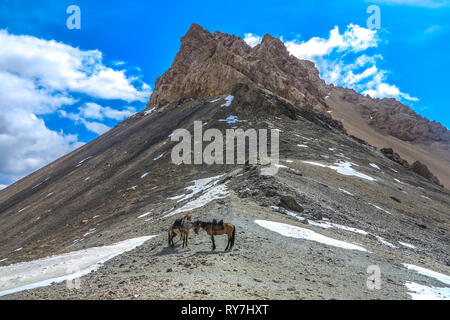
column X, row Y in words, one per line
column 211, row 64
column 271, row 47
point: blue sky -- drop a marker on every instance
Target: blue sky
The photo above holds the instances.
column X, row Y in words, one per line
column 128, row 44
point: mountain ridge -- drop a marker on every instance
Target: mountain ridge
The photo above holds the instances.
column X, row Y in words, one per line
column 210, row 64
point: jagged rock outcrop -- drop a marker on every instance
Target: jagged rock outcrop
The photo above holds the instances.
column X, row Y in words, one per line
column 423, row 170
column 394, row 156
column 392, row 117
column 211, row 64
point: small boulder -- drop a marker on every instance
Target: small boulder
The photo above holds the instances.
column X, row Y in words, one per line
column 290, row 203
column 394, row 156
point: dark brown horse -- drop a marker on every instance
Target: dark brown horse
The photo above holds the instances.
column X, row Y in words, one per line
column 180, row 226
column 228, row 229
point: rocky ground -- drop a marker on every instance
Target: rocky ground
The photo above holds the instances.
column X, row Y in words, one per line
column 263, row 265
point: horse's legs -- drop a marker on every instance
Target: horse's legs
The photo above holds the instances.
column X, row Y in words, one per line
column 182, row 238
column 168, row 238
column 229, row 240
column 213, row 243
column 171, row 239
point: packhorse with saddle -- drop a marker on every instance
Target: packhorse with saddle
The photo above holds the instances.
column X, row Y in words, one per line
column 183, row 224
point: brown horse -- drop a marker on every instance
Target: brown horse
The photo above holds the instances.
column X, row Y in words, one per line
column 228, row 229
column 181, row 228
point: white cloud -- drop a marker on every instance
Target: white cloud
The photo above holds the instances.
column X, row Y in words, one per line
column 60, row 67
column 25, row 94
column 2, row 186
column 96, row 127
column 39, row 77
column 92, row 110
column 342, row 60
column 26, row 144
column 252, row 39
column 118, row 63
column 354, row 39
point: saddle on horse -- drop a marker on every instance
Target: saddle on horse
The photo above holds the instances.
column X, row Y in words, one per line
column 217, row 225
column 178, row 223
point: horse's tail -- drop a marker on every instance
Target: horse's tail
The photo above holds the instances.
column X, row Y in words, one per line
column 233, row 236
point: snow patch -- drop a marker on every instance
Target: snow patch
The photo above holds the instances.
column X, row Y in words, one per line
column 231, row 120
column 373, row 165
column 325, row 224
column 23, row 209
column 407, row 245
column 216, row 192
column 199, row 186
column 43, row 272
column 41, row 183
column 177, row 197
column 429, row 273
column 379, row 208
column 89, row 232
column 229, row 100
column 303, row 137
column 159, row 157
column 344, row 168
column 82, row 161
column 149, row 111
column 302, row 146
column 382, row 241
column 346, row 192
column 145, row 214
column 306, row 234
column 421, row 292
column 144, row 175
